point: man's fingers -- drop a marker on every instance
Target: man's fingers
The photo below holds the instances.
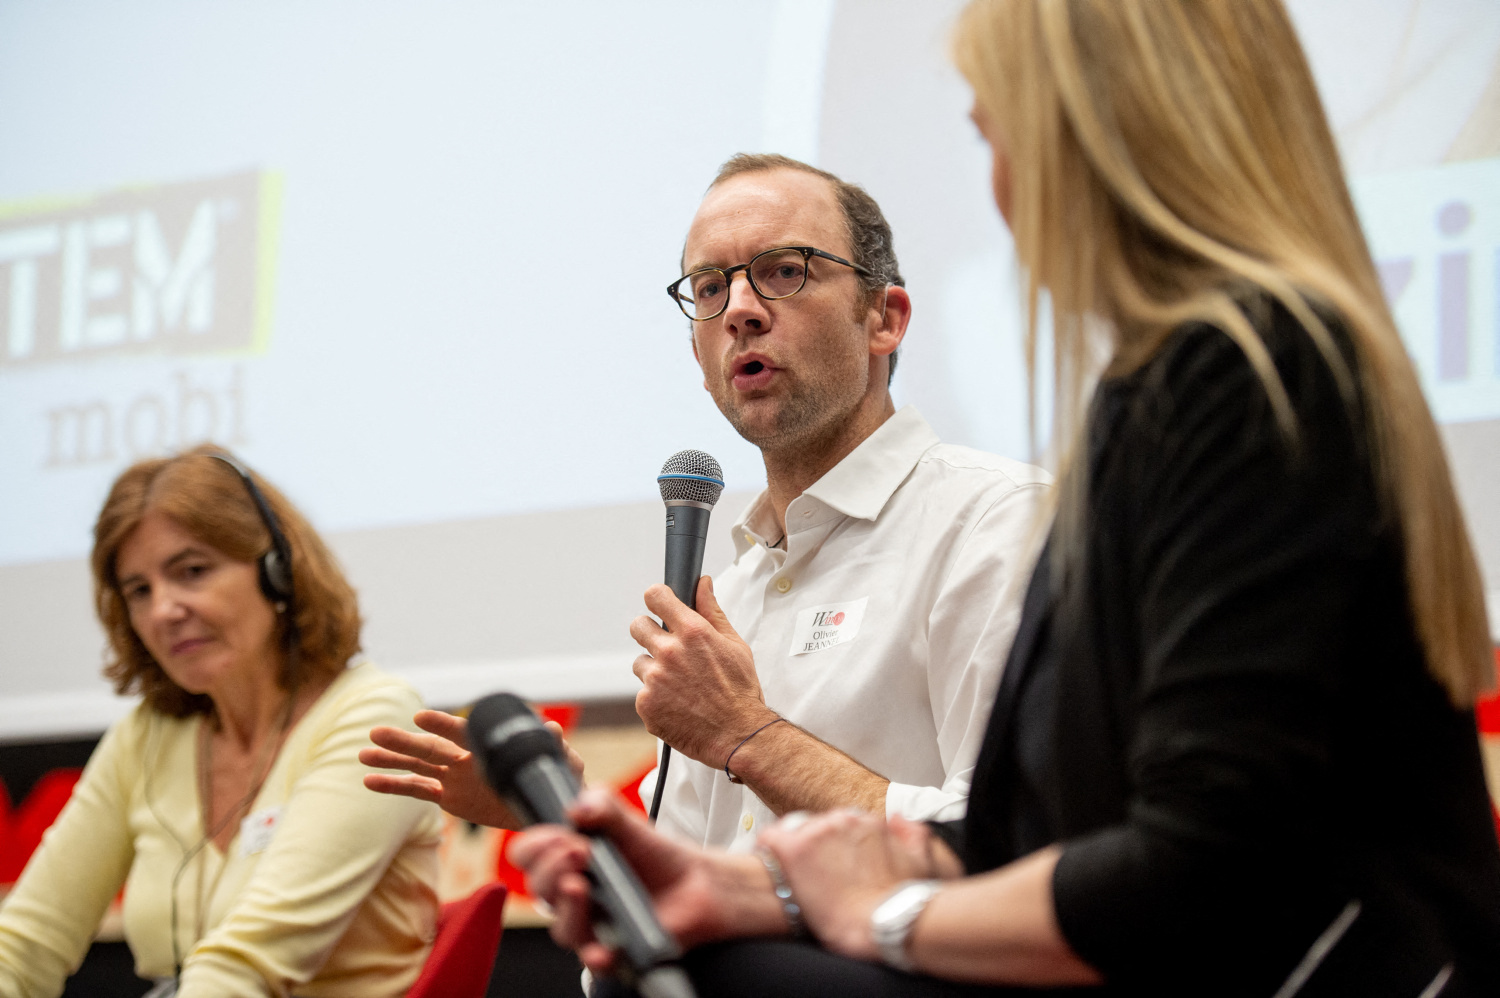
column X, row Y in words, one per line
column 709, row 609
column 575, row 761
column 674, row 614
column 646, row 632
column 405, row 786
column 428, row 748
column 379, row 758
column 451, row 727
column 395, row 739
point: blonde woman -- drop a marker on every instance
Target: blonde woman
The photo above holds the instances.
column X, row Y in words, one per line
column 228, row 804
column 1233, row 752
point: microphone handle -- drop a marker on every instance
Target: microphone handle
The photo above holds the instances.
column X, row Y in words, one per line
column 687, row 532
column 543, row 789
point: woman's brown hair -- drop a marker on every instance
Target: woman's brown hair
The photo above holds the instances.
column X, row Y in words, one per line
column 207, row 498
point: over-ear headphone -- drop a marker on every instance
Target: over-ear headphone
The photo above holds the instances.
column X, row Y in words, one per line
column 275, row 564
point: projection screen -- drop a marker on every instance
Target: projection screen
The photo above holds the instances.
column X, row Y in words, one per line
column 408, row 260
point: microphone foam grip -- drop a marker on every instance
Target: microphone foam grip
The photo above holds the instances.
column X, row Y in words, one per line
column 506, row 735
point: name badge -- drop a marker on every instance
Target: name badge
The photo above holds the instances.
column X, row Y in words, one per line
column 819, row 628
column 256, row 830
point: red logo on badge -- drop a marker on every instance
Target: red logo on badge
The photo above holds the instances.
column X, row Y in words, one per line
column 838, row 618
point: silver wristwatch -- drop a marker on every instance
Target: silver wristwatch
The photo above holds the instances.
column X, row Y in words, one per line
column 892, row 919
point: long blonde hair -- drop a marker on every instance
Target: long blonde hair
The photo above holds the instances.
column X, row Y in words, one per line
column 1166, row 155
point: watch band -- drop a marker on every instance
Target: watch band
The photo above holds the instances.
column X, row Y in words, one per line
column 892, row 920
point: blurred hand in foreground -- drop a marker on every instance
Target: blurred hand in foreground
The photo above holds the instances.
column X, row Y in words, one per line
column 842, row 864
column 699, row 896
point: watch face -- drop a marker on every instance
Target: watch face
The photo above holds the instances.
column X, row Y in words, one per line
column 892, row 919
column 913, row 893
column 893, row 904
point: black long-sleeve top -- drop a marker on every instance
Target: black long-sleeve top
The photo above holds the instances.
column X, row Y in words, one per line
column 1222, row 712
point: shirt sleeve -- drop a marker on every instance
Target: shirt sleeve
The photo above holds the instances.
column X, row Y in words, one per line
column 50, row 916
column 1244, row 568
column 333, row 843
column 970, row 630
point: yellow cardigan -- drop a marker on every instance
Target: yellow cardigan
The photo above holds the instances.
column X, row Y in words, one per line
column 337, row 898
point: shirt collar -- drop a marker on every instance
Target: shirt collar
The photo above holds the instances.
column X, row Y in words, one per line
column 747, row 530
column 862, row 483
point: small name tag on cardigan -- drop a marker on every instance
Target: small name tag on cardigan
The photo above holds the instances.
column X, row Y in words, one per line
column 819, row 628
column 256, row 830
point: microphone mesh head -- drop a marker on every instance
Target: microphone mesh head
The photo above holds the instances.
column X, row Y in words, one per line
column 691, row 475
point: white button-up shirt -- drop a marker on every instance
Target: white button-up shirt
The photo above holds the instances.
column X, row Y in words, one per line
column 882, row 625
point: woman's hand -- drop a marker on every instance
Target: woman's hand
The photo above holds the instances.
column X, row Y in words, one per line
column 698, row 896
column 442, row 768
column 842, row 864
column 998, row 927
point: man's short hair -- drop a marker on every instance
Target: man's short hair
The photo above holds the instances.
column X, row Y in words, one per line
column 869, row 233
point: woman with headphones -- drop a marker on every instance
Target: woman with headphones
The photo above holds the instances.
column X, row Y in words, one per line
column 228, row 804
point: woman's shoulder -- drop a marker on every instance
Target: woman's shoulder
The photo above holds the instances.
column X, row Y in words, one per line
column 144, row 729
column 144, row 722
column 1199, row 419
column 363, row 690
column 1203, row 377
column 1202, row 353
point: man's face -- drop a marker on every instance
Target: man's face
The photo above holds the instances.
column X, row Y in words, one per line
column 785, row 373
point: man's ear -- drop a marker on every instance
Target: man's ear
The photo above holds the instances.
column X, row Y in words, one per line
column 891, row 314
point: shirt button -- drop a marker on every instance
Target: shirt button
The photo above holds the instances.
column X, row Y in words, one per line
column 749, row 539
column 748, row 823
column 807, row 513
column 783, row 584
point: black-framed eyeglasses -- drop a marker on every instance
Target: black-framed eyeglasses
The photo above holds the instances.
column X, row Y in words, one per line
column 775, row 274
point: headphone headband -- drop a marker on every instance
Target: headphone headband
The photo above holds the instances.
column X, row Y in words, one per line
column 275, row 564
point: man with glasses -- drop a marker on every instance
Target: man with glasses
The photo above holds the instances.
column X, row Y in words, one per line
column 849, row 656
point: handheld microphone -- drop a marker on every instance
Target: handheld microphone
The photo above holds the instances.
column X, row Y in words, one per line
column 690, row 483
column 524, row 763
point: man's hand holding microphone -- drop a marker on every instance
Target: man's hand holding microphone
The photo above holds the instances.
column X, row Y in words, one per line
column 699, row 690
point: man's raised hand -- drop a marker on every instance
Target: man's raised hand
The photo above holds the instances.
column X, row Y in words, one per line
column 441, row 769
column 700, row 693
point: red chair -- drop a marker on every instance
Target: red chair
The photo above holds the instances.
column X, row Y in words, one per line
column 463, row 954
